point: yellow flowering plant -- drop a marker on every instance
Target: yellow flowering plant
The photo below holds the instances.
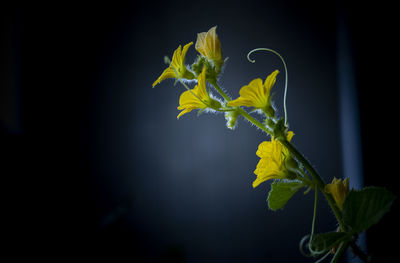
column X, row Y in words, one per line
column 280, row 161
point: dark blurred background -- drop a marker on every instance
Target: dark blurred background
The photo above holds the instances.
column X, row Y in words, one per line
column 94, row 164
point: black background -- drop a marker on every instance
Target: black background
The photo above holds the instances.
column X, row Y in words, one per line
column 96, row 166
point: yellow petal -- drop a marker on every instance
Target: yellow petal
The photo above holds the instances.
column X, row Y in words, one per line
column 177, row 65
column 266, row 169
column 240, row 102
column 184, row 51
column 346, row 185
column 201, row 86
column 183, row 112
column 178, row 61
column 338, row 190
column 270, row 81
column 201, row 43
column 176, row 58
column 196, row 98
column 167, row 73
column 190, row 97
column 252, row 95
column 289, row 137
column 209, row 45
column 265, row 149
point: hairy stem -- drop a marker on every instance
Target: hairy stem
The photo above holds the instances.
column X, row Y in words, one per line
column 218, row 88
column 254, row 121
column 320, row 184
column 242, row 111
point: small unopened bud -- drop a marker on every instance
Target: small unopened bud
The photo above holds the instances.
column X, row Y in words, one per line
column 198, row 65
column 214, row 104
column 291, row 164
column 188, row 75
column 291, row 175
column 167, row 60
column 270, row 123
column 279, row 130
column 231, row 117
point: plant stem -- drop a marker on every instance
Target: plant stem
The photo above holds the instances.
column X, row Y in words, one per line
column 242, row 111
column 253, row 121
column 314, row 215
column 218, row 88
column 342, row 248
column 318, row 180
column 358, row 252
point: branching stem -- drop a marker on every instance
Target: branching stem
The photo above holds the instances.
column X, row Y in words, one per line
column 320, row 184
column 316, row 178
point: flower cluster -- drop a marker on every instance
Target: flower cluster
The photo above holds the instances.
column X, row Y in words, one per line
column 257, row 94
column 208, row 66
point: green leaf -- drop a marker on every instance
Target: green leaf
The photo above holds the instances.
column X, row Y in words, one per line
column 326, row 241
column 281, row 192
column 366, row 207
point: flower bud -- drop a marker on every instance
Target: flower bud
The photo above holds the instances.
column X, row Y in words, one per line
column 291, row 175
column 231, row 117
column 291, row 164
column 214, row 104
column 209, row 46
column 339, row 190
column 280, row 130
column 187, row 75
column 198, row 65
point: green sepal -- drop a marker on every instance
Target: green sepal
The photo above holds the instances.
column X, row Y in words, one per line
column 187, row 75
column 325, row 241
column 366, row 207
column 291, row 164
column 198, row 65
column 214, row 104
column 269, row 111
column 231, row 118
column 212, row 71
column 280, row 130
column 281, row 192
column 167, row 60
column 200, row 112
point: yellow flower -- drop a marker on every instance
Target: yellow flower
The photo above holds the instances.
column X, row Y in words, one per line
column 257, row 94
column 177, row 68
column 271, row 165
column 338, row 190
column 209, row 46
column 197, row 98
